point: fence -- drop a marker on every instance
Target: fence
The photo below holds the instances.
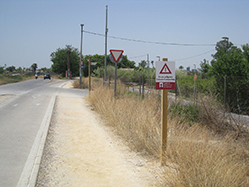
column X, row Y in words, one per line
column 231, row 91
column 141, row 86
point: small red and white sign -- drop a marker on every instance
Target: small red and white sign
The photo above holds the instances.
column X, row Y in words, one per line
column 165, row 69
column 165, row 75
column 116, row 54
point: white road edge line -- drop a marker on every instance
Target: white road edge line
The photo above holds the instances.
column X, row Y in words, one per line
column 30, row 171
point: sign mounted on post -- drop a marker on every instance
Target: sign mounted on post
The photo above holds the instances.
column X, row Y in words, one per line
column 165, row 75
column 116, row 55
column 82, row 66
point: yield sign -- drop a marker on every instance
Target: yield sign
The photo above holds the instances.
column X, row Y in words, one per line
column 116, row 54
column 165, row 70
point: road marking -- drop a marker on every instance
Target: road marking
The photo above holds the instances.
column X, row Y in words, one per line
column 15, row 104
column 31, row 168
column 38, row 104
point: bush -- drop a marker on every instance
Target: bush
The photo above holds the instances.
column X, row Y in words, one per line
column 84, row 83
column 186, row 113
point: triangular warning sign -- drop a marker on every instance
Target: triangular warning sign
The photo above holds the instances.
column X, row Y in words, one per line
column 165, row 70
column 116, row 54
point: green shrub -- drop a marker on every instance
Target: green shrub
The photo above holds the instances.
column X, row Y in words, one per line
column 185, row 113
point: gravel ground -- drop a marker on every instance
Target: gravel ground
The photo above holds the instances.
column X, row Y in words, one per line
column 81, row 151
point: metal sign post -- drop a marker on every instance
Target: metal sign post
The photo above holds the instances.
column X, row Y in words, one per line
column 195, row 77
column 116, row 57
column 165, row 80
column 89, row 75
column 81, row 62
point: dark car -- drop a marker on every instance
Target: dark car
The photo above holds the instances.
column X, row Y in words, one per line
column 47, row 76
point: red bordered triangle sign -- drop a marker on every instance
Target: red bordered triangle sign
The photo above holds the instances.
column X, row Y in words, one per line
column 165, row 70
column 116, row 54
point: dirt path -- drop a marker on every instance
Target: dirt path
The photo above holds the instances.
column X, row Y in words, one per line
column 80, row 151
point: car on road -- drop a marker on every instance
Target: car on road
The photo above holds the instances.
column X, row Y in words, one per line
column 47, row 76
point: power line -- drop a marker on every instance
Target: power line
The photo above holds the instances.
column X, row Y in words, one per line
column 163, row 43
column 137, row 56
column 151, row 42
column 194, row 56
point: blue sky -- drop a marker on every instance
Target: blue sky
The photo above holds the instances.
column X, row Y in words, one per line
column 30, row 30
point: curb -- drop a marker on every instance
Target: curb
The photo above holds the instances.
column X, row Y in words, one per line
column 30, row 171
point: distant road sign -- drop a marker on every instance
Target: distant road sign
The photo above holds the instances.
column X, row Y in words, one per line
column 93, row 63
column 116, row 55
column 82, row 64
column 165, row 75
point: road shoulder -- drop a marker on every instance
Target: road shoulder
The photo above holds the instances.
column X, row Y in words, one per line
column 80, row 151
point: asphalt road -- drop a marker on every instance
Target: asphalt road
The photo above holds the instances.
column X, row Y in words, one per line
column 24, row 112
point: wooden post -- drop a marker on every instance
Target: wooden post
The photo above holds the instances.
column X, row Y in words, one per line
column 164, row 114
column 143, row 86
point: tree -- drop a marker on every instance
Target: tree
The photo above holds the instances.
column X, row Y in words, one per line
column 60, row 60
column 142, row 64
column 1, row 70
column 125, row 63
column 100, row 59
column 231, row 63
column 19, row 69
column 34, row 67
column 205, row 67
column 11, row 68
column 152, row 63
column 181, row 67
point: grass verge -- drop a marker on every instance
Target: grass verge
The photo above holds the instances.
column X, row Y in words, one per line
column 197, row 153
column 6, row 79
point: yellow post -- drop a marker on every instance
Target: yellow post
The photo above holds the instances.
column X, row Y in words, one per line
column 164, row 114
column 89, row 75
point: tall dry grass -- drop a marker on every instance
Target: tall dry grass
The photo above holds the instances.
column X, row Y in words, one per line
column 132, row 118
column 197, row 158
column 85, row 82
column 196, row 155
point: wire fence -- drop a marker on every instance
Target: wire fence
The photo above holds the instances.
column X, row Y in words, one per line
column 231, row 91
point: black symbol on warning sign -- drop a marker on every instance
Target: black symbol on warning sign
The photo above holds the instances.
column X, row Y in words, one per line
column 165, row 70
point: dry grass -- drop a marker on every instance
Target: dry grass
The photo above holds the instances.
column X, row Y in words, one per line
column 130, row 117
column 198, row 158
column 6, row 79
column 85, row 82
column 196, row 155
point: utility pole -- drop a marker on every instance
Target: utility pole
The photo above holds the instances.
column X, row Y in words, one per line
column 148, row 67
column 106, row 30
column 89, row 75
column 81, row 64
column 68, row 59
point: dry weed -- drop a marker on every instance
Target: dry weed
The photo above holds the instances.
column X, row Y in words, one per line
column 195, row 155
column 134, row 119
column 214, row 117
column 85, row 83
column 197, row 158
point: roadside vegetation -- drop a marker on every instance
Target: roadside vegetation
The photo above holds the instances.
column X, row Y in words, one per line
column 11, row 74
column 6, row 79
column 203, row 149
column 206, row 145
